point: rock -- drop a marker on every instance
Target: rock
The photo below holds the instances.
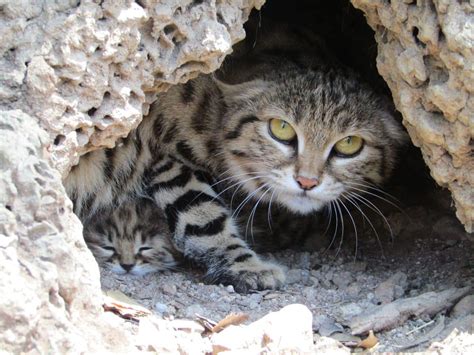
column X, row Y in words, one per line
column 342, row 279
column 426, row 61
column 464, row 307
column 77, row 76
column 161, row 308
column 286, row 331
column 349, row 311
column 191, row 311
column 325, row 345
column 329, row 326
column 391, row 289
column 294, row 276
column 353, row 290
column 169, row 289
column 50, row 286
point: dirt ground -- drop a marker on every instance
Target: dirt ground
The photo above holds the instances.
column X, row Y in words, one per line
column 429, row 251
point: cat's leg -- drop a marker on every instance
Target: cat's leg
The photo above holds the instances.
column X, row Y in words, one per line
column 204, row 231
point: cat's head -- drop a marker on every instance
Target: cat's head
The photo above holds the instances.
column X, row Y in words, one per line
column 125, row 244
column 305, row 138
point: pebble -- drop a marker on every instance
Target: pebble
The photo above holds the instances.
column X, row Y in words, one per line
column 161, row 308
column 329, row 326
column 353, row 290
column 191, row 311
column 230, row 289
column 342, row 279
column 464, row 307
column 350, row 310
column 169, row 289
column 391, row 289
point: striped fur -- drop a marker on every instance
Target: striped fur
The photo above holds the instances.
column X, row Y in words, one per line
column 134, row 237
column 204, row 153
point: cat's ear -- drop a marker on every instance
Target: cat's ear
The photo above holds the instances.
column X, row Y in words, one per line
column 242, row 91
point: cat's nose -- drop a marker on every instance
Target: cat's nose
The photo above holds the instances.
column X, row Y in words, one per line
column 307, row 183
column 127, row 267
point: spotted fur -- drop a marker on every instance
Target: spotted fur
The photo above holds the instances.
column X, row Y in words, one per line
column 205, row 151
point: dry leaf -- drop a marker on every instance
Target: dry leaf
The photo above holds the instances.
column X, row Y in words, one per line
column 205, row 322
column 368, row 342
column 231, row 319
column 123, row 306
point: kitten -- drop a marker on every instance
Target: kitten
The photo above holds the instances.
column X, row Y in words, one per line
column 132, row 238
column 277, row 128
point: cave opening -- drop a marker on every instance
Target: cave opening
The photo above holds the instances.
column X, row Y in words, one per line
column 411, row 204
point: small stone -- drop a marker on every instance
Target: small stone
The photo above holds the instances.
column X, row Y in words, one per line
column 353, row 290
column 256, row 297
column 293, row 276
column 350, row 310
column 329, row 326
column 192, row 310
column 161, row 308
column 392, row 288
column 342, row 279
column 169, row 289
column 230, row 289
column 318, row 320
column 464, row 307
column 223, row 307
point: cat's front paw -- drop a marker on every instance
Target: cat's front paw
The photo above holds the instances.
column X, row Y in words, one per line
column 253, row 274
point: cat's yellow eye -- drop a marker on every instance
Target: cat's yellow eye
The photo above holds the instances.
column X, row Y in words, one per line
column 281, row 130
column 349, row 145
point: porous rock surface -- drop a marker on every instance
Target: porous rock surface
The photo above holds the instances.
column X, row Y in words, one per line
column 74, row 77
column 426, row 56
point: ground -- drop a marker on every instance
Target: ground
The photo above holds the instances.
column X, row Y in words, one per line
column 429, row 252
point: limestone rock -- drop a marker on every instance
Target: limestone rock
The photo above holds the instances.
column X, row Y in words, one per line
column 75, row 76
column 286, row 331
column 426, row 56
column 51, row 299
column 392, row 288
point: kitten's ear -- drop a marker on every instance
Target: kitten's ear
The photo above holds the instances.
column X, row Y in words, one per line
column 242, row 91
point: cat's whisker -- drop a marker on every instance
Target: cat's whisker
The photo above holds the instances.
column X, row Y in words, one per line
column 355, row 228
column 241, row 183
column 377, row 196
column 354, row 203
column 373, row 208
column 259, row 165
column 236, row 176
column 342, row 226
column 336, row 222
column 252, row 215
column 269, row 212
column 245, row 201
column 373, row 187
column 330, row 219
column 220, row 193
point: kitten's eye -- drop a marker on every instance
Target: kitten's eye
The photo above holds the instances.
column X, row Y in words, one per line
column 144, row 249
column 349, row 146
column 281, row 130
column 109, row 248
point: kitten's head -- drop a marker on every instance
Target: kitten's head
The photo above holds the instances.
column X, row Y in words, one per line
column 305, row 138
column 125, row 243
